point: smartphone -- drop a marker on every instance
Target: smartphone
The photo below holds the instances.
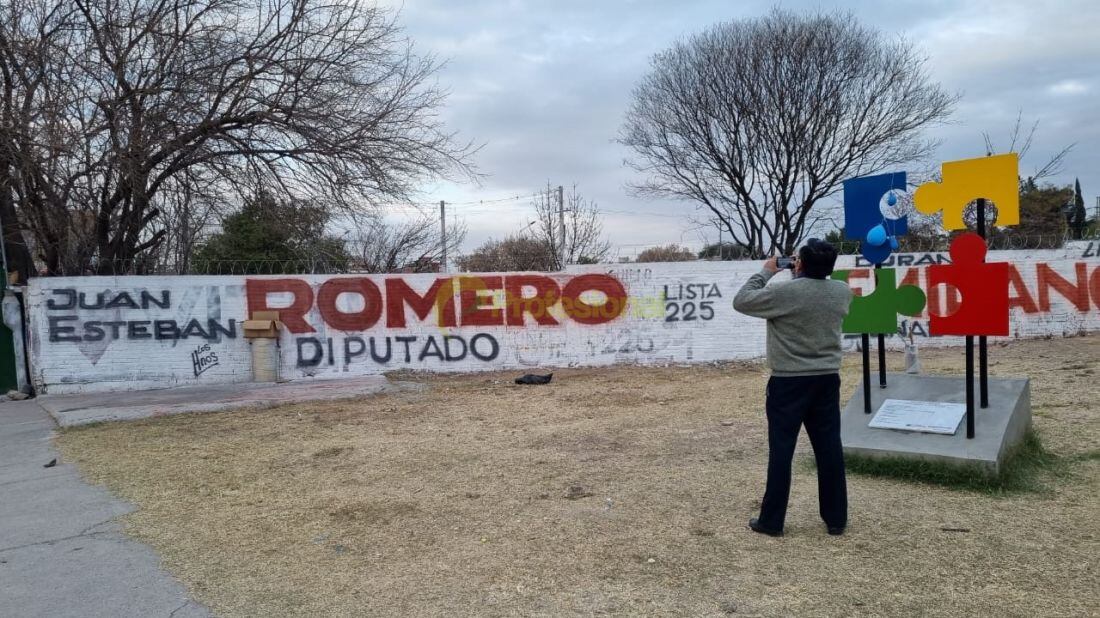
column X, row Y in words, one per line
column 784, row 262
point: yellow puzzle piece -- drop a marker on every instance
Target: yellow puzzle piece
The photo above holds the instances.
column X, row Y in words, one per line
column 994, row 178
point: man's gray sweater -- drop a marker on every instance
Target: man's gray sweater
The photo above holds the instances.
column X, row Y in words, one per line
column 804, row 317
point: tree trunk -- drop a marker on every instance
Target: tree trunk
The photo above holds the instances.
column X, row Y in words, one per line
column 15, row 246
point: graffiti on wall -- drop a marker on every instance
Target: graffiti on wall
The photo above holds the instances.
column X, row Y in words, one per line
column 1040, row 293
column 460, row 309
column 94, row 320
column 203, row 358
column 1091, row 250
column 118, row 333
column 145, row 332
column 69, row 326
column 691, row 301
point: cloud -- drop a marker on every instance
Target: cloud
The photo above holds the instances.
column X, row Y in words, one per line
column 544, row 86
column 1068, row 87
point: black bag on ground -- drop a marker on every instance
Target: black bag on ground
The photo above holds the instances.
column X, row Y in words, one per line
column 532, row 378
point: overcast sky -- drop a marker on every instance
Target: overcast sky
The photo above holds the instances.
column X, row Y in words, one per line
column 544, row 86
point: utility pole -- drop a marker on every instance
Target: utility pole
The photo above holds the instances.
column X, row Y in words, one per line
column 443, row 234
column 561, row 226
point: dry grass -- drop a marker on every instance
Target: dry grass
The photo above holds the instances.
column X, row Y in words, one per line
column 457, row 500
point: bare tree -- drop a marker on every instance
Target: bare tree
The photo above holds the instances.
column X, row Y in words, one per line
column 383, row 247
column 188, row 216
column 583, row 242
column 114, row 112
column 666, row 253
column 1030, row 191
column 511, row 254
column 1021, row 145
column 758, row 120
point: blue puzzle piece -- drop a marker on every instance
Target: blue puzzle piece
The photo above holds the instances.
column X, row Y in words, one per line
column 862, row 215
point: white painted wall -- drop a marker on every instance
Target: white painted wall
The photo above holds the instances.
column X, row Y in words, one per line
column 126, row 360
column 69, row 354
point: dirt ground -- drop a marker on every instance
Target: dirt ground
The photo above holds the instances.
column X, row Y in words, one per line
column 610, row 491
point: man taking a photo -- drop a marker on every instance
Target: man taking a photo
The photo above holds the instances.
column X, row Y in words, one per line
column 804, row 317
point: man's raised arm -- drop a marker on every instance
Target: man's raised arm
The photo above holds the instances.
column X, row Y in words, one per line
column 756, row 299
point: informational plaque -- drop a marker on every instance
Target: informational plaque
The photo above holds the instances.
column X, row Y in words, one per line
column 925, row 416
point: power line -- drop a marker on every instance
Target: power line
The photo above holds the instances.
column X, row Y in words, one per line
column 433, row 204
column 511, row 198
column 644, row 214
column 419, row 206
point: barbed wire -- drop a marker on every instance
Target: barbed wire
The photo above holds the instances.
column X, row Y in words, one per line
column 913, row 244
column 997, row 241
column 307, row 266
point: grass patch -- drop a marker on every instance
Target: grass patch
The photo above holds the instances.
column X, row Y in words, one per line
column 1092, row 455
column 332, row 451
column 454, row 500
column 1025, row 470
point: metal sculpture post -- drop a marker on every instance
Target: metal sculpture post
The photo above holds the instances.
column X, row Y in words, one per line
column 983, row 361
column 865, row 341
column 983, row 357
column 881, row 344
column 970, row 387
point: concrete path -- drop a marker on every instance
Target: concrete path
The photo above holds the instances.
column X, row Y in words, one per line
column 70, row 410
column 61, row 553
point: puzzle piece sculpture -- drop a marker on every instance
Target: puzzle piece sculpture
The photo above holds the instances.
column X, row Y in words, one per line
column 994, row 178
column 984, row 290
column 863, row 220
column 878, row 312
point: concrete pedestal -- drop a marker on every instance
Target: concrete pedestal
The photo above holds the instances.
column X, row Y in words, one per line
column 997, row 429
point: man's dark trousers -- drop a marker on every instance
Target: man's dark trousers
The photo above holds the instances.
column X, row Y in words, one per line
column 815, row 402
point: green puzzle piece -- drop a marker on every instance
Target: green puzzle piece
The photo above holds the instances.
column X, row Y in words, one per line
column 878, row 312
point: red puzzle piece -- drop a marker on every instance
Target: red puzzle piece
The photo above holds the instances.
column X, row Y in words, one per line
column 983, row 287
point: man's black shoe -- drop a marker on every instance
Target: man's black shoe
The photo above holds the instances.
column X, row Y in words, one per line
column 754, row 525
column 836, row 531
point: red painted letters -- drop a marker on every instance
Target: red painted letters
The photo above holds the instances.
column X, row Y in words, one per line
column 256, row 291
column 1018, row 294
column 1094, row 286
column 361, row 320
column 584, row 313
column 1077, row 294
column 441, row 296
column 546, row 296
column 477, row 309
column 478, row 301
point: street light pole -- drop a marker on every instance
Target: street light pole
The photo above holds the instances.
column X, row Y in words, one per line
column 443, row 234
column 561, row 227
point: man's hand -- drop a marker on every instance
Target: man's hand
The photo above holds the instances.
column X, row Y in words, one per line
column 770, row 265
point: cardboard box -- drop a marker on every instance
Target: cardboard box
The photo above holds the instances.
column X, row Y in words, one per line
column 263, row 325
